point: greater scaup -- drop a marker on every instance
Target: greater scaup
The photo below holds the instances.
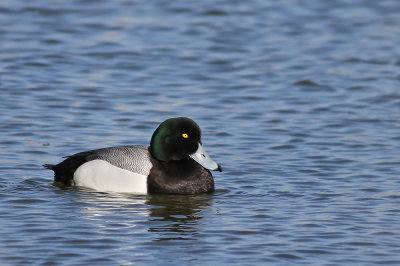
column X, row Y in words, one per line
column 174, row 163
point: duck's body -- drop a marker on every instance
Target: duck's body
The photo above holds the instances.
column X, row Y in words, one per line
column 174, row 163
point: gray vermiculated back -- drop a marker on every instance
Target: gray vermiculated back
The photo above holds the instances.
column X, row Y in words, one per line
column 133, row 158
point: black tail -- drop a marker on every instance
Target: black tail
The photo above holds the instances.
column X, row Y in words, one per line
column 49, row 166
column 64, row 171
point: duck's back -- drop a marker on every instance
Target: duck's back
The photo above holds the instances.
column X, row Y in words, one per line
column 134, row 158
column 109, row 162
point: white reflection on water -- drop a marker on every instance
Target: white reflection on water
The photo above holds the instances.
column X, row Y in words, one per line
column 166, row 217
column 111, row 205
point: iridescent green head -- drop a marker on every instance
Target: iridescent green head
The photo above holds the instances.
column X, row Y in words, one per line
column 180, row 139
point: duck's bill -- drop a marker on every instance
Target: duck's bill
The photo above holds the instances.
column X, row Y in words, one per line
column 204, row 160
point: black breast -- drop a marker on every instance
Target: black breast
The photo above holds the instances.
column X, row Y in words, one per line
column 182, row 177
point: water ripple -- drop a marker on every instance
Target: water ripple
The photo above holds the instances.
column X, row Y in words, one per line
column 299, row 109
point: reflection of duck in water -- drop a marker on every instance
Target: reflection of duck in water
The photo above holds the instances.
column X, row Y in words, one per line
column 177, row 215
column 175, row 163
column 111, row 207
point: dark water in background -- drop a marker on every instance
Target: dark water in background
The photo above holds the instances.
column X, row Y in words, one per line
column 299, row 101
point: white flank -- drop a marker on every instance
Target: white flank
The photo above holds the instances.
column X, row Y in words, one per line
column 103, row 176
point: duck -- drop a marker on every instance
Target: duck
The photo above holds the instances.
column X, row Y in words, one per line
column 174, row 163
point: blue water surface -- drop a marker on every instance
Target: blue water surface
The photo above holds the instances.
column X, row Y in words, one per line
column 299, row 101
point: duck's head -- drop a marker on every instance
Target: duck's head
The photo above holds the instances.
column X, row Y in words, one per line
column 180, row 139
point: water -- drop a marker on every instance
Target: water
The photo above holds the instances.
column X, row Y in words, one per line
column 298, row 101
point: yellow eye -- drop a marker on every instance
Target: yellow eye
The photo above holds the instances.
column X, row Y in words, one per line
column 185, row 136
